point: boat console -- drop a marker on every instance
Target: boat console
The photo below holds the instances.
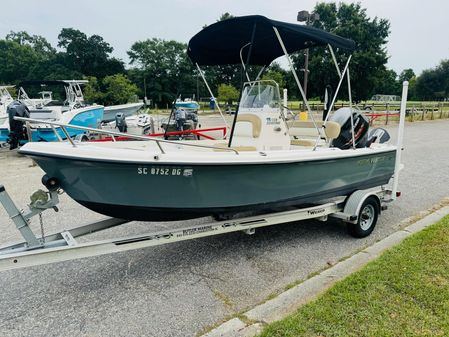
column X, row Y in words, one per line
column 260, row 121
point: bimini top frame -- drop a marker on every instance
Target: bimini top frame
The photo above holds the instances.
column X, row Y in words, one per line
column 74, row 94
column 259, row 40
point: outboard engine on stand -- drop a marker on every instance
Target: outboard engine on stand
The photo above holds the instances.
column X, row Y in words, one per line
column 120, row 122
column 344, row 140
column 17, row 129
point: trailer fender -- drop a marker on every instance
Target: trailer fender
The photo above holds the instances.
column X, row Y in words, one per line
column 355, row 201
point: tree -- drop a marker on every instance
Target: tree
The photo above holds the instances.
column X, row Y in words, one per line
column 388, row 84
column 16, row 61
column 406, row 75
column 227, row 93
column 92, row 91
column 225, row 16
column 164, row 67
column 277, row 76
column 37, row 42
column 118, row 89
column 434, row 83
column 88, row 55
column 369, row 58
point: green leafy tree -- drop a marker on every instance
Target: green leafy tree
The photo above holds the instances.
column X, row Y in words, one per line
column 406, row 75
column 16, row 61
column 276, row 76
column 164, row 67
column 227, row 93
column 53, row 68
column 37, row 42
column 92, row 91
column 118, row 89
column 434, row 83
column 369, row 58
column 388, row 83
column 88, row 55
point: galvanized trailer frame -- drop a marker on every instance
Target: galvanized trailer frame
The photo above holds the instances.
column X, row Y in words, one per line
column 63, row 246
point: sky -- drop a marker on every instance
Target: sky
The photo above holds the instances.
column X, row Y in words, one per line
column 418, row 37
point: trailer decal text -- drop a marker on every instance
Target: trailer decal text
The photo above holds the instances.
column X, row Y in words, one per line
column 196, row 230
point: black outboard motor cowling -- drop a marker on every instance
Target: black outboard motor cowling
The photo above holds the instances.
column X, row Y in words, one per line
column 17, row 129
column 344, row 140
column 120, row 122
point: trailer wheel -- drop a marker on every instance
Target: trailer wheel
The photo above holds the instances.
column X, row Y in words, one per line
column 367, row 219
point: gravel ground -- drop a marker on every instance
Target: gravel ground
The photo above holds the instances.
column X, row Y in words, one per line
column 183, row 288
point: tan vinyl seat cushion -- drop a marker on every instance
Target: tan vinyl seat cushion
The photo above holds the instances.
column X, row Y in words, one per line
column 237, row 148
column 255, row 122
column 303, row 142
column 332, row 129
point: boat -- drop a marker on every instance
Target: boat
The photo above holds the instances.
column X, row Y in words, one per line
column 140, row 124
column 265, row 165
column 5, row 100
column 63, row 103
column 187, row 104
column 128, row 109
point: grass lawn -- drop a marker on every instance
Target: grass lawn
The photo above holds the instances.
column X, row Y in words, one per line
column 403, row 293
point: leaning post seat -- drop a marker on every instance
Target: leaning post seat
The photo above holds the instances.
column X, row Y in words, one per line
column 305, row 132
column 256, row 125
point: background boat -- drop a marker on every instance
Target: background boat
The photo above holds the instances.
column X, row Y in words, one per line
column 126, row 109
column 187, row 103
column 5, row 100
column 59, row 100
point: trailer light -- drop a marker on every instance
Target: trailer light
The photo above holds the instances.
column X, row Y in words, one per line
column 398, row 194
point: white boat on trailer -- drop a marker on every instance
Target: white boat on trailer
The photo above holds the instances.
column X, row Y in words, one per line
column 264, row 166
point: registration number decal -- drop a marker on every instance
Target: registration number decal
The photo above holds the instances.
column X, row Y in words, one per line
column 165, row 171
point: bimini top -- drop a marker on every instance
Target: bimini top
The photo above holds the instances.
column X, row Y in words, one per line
column 221, row 42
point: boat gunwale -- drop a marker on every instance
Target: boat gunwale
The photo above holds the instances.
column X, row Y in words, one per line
column 225, row 162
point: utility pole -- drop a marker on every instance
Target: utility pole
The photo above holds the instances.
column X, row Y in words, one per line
column 309, row 19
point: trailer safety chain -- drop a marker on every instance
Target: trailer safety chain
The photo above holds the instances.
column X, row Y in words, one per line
column 41, row 222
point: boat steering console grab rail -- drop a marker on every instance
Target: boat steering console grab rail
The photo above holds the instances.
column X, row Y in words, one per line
column 114, row 134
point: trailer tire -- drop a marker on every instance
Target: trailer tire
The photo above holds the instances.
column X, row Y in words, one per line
column 367, row 219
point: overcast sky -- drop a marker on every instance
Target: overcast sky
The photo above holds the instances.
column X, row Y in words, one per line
column 418, row 40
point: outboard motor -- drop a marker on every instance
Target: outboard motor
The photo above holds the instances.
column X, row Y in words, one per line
column 378, row 135
column 344, row 140
column 17, row 129
column 120, row 122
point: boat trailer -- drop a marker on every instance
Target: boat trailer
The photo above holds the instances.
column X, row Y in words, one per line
column 360, row 210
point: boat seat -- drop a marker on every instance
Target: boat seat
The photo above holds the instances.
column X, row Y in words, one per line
column 332, row 129
column 255, row 122
column 303, row 142
column 307, row 129
column 237, row 148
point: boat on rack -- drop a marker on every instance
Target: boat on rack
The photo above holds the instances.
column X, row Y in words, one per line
column 268, row 163
column 59, row 100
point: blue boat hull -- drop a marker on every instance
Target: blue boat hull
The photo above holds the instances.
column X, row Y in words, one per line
column 187, row 105
column 4, row 133
column 90, row 118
